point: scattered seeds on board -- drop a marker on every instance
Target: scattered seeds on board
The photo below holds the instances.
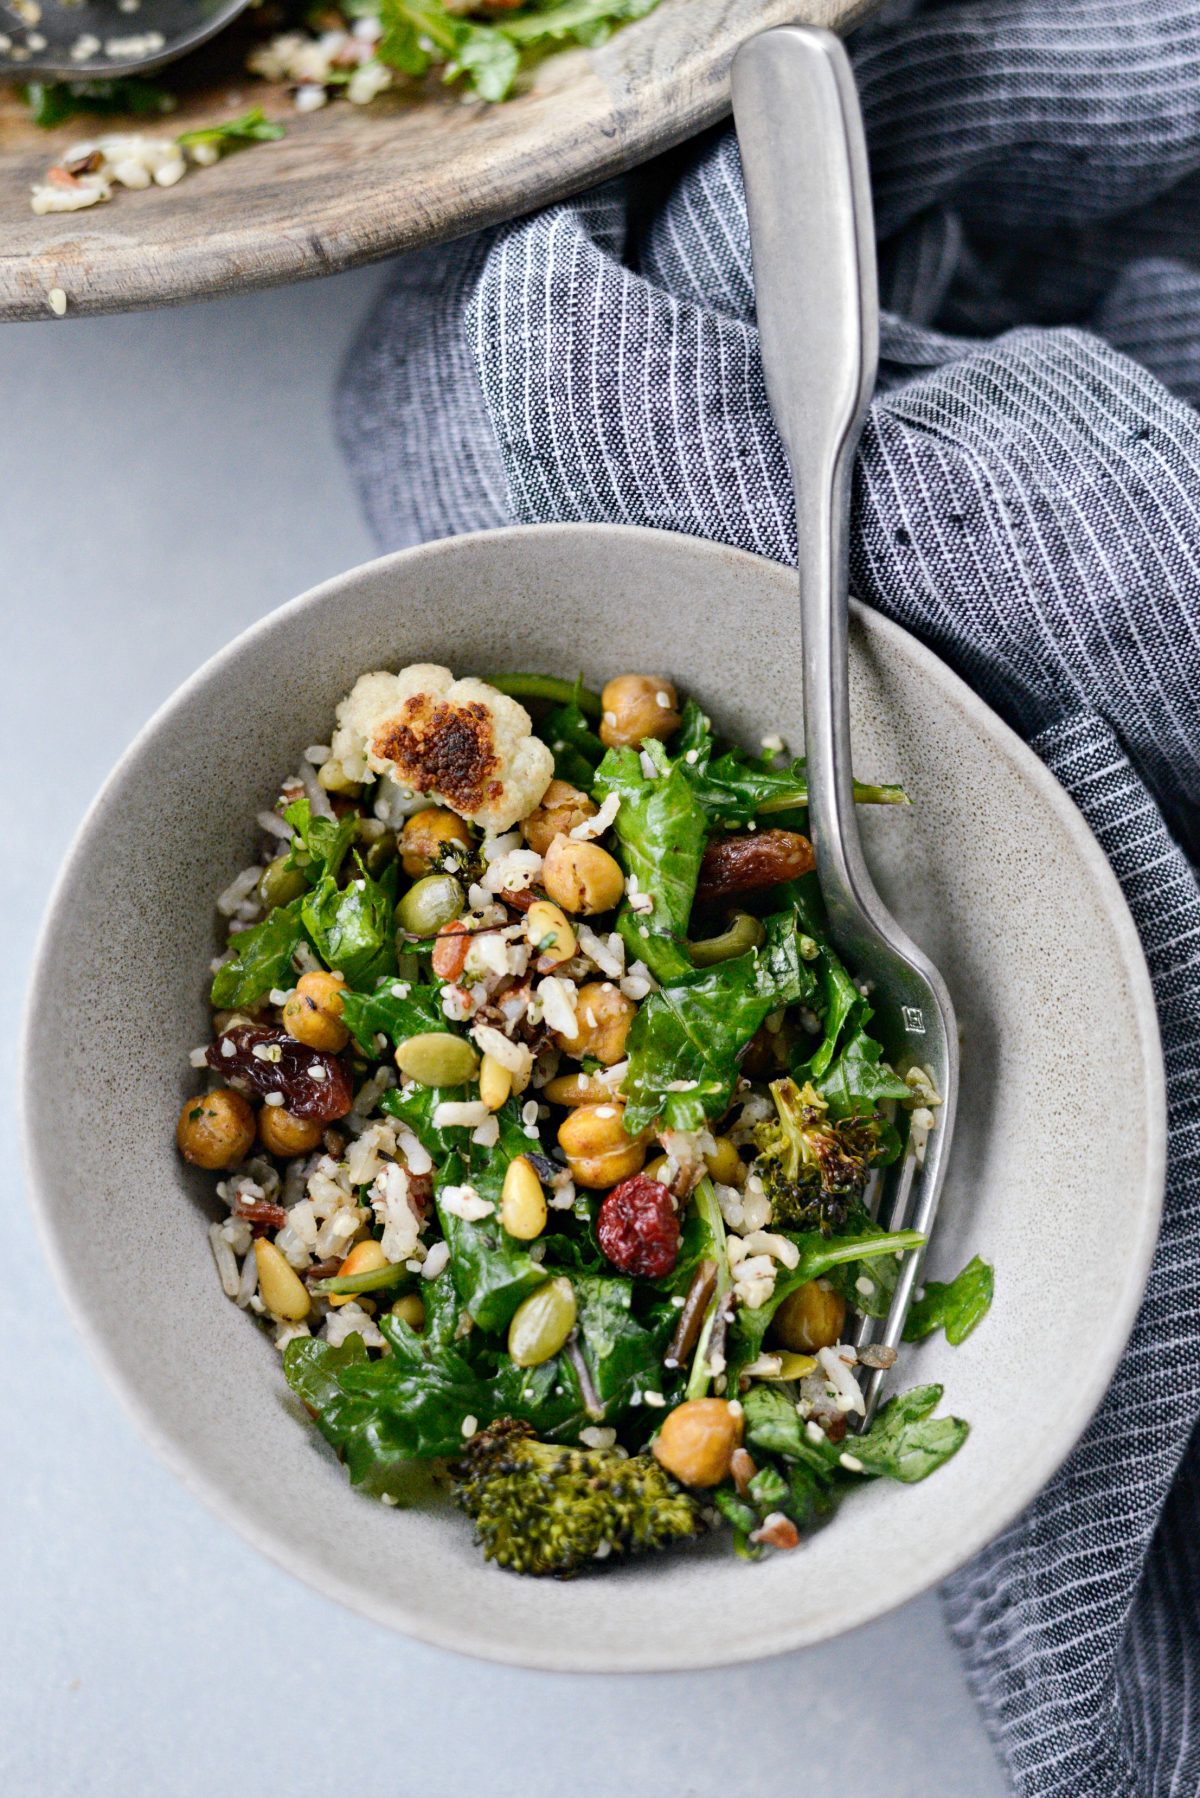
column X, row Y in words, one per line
column 56, row 299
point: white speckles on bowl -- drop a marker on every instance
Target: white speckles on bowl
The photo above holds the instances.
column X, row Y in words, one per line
column 991, row 869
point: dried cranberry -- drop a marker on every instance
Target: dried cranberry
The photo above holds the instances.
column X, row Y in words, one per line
column 306, row 1094
column 638, row 1228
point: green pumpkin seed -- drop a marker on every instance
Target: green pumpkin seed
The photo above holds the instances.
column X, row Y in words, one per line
column 435, row 1058
column 743, row 933
column 279, row 885
column 430, row 904
column 542, row 1322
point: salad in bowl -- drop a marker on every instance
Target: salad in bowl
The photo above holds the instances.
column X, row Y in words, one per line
column 544, row 1119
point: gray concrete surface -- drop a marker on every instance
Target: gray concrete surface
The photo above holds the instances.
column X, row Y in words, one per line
column 164, row 480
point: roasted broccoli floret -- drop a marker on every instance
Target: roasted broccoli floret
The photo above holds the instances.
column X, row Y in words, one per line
column 814, row 1167
column 541, row 1508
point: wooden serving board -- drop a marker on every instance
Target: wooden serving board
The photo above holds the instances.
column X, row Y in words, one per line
column 351, row 184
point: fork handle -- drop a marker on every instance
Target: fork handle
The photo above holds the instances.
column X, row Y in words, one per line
column 804, row 166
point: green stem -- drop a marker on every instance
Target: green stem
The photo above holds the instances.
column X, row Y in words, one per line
column 709, row 1210
column 863, row 795
column 371, row 1281
column 550, row 687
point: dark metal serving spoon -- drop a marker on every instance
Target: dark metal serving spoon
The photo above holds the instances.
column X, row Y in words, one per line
column 99, row 40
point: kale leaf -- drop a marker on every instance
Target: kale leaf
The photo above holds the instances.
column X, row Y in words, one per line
column 352, row 927
column 319, row 844
column 51, row 103
column 394, row 1015
column 411, row 1403
column 492, row 1271
column 661, row 830
column 251, row 127
column 576, row 748
column 685, row 1040
column 819, row 1255
column 421, row 34
column 905, row 1442
column 955, row 1306
column 736, row 788
column 262, row 959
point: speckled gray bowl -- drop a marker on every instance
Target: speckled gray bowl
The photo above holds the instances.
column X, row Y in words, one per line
column 992, row 869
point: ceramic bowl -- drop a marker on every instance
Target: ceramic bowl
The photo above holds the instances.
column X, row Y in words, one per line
column 992, row 869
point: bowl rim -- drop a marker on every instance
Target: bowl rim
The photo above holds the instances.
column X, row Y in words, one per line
column 1044, row 1459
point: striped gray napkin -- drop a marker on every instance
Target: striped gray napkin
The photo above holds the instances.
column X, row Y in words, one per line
column 1027, row 501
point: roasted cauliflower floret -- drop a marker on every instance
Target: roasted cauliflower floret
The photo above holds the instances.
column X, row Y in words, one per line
column 458, row 741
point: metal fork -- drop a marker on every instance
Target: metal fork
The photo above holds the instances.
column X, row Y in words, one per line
column 804, row 164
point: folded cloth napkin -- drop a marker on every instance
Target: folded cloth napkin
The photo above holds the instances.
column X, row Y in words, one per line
column 1027, row 501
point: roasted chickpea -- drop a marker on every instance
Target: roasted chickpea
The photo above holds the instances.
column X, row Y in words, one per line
column 581, row 877
column 810, row 1318
column 697, row 1441
column 313, row 1014
column 411, row 1308
column 724, row 1163
column 215, row 1129
column 562, row 808
column 599, row 1152
column 637, row 706
column 282, row 1133
column 425, row 835
column 602, row 1018
column 576, row 1089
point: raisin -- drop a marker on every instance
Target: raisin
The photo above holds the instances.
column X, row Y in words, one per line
column 260, row 1214
column 325, row 1095
column 747, row 864
column 638, row 1228
column 520, row 899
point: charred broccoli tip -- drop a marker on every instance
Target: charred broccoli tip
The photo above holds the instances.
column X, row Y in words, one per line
column 814, row 1167
column 540, row 1508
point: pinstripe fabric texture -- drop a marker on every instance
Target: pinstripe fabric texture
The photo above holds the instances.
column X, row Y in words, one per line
column 1027, row 500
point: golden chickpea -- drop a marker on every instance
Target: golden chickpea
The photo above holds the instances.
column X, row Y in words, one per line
column 598, row 1151
column 602, row 1018
column 562, row 808
column 313, row 1014
column 577, row 1089
column 637, row 706
column 581, row 877
column 810, row 1318
column 724, row 1163
column 215, row 1129
column 425, row 835
column 697, row 1441
column 283, row 1133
